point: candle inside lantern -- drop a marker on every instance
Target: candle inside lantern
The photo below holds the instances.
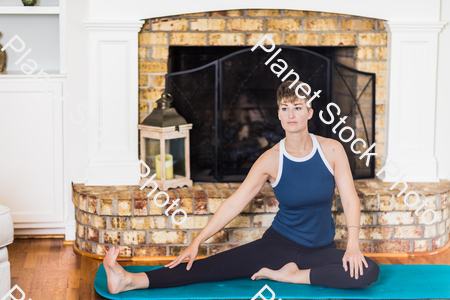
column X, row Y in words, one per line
column 169, row 166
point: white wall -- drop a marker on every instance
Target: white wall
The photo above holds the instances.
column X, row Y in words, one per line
column 399, row 10
column 442, row 150
column 75, row 110
column 77, row 87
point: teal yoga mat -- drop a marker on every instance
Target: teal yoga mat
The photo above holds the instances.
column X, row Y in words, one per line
column 394, row 282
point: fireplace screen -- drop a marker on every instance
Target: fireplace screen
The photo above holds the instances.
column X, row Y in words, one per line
column 231, row 103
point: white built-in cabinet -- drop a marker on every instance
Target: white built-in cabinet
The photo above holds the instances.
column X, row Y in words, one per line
column 31, row 116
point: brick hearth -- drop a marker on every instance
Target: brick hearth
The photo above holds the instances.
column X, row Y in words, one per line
column 124, row 216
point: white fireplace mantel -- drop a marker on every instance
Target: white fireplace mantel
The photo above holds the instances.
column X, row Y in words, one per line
column 411, row 106
column 413, row 30
column 113, row 102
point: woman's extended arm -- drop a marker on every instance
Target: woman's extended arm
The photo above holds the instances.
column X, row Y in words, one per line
column 350, row 203
column 229, row 209
column 346, row 187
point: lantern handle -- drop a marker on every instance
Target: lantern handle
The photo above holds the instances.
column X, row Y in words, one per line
column 166, row 97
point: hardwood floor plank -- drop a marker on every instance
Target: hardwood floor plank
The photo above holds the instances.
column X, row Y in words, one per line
column 60, row 294
column 85, row 290
column 19, row 245
column 68, row 259
column 74, row 279
column 53, row 255
column 42, row 261
column 72, row 294
column 25, row 278
column 382, row 261
column 31, row 258
column 43, row 247
column 17, row 262
column 395, row 261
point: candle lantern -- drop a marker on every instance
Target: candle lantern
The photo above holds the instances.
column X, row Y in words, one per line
column 165, row 146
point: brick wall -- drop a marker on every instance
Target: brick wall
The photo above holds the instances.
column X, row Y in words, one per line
column 246, row 27
column 124, row 216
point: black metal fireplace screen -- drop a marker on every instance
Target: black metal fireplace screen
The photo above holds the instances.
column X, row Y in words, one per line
column 231, row 103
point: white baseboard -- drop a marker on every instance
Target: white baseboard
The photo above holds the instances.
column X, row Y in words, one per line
column 39, row 228
column 39, row 231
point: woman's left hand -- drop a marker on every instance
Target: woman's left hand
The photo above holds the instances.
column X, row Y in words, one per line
column 354, row 256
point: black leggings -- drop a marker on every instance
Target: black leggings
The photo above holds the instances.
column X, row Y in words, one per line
column 272, row 251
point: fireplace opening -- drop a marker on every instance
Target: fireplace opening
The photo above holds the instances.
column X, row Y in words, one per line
column 183, row 58
column 229, row 95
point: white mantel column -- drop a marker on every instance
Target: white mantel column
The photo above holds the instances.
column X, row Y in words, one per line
column 411, row 116
column 113, row 102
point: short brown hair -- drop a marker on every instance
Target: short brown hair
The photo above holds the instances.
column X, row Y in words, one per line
column 286, row 94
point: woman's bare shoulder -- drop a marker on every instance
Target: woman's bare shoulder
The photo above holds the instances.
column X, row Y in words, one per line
column 328, row 144
column 268, row 161
column 332, row 149
column 273, row 152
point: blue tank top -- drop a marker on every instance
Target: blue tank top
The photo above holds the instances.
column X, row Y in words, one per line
column 304, row 188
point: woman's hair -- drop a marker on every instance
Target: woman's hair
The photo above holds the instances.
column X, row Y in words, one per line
column 286, row 94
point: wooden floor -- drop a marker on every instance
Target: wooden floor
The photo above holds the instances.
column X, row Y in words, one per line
column 47, row 269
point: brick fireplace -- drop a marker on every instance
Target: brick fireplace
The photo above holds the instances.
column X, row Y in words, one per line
column 247, row 27
column 122, row 215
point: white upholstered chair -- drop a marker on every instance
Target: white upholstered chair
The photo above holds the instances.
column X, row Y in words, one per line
column 6, row 238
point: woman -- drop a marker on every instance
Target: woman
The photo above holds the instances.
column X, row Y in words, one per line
column 298, row 248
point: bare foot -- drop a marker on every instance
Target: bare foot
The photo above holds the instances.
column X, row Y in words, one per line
column 285, row 274
column 118, row 279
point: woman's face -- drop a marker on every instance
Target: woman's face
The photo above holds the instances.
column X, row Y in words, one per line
column 294, row 116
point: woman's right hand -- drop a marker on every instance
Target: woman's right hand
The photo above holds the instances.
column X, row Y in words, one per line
column 190, row 252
